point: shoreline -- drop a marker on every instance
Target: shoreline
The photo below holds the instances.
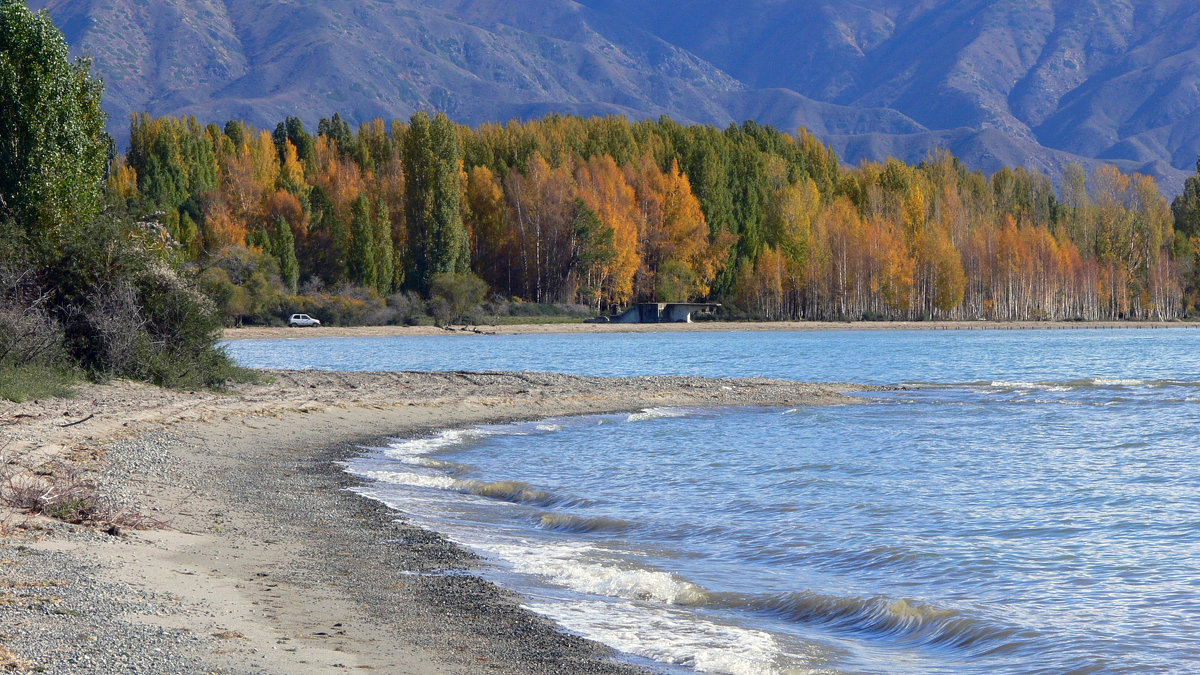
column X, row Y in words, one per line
column 258, row 571
column 281, row 332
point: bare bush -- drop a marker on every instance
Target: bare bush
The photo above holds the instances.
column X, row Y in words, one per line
column 28, row 334
column 115, row 320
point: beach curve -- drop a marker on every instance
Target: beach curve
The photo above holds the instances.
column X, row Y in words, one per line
column 258, row 571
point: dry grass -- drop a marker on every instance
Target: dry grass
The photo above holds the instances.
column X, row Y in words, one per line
column 11, row 662
column 62, row 492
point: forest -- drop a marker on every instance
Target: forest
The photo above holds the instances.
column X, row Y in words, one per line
column 369, row 224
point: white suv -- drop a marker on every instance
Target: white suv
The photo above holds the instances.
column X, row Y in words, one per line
column 302, row 320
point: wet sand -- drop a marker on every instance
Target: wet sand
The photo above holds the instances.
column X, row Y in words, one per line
column 275, row 333
column 268, row 563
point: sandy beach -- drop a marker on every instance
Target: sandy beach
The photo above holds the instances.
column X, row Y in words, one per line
column 266, row 562
column 275, row 333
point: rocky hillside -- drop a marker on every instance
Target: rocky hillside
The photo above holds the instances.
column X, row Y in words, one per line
column 1027, row 82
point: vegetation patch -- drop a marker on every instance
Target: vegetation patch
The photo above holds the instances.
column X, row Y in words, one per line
column 85, row 284
column 20, row 383
column 9, row 661
column 64, row 493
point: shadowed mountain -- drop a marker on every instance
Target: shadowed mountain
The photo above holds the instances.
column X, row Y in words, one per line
column 1037, row 83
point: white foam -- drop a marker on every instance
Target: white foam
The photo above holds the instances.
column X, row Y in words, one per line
column 1004, row 384
column 549, row 427
column 412, row 451
column 1031, row 386
column 669, row 636
column 414, row 479
column 654, row 414
column 565, row 565
column 1116, row 382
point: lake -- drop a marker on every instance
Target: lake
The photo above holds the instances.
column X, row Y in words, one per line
column 1027, row 502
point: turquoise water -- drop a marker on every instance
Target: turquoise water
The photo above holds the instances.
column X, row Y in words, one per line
column 1029, row 503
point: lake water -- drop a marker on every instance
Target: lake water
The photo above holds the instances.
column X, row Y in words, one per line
column 1029, row 503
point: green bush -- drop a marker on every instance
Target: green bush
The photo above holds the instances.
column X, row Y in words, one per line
column 451, row 295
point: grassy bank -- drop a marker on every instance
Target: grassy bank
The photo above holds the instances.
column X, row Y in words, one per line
column 20, row 383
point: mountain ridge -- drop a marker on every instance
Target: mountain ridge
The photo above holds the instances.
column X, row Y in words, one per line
column 1034, row 83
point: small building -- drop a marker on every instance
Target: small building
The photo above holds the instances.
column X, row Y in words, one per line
column 663, row 312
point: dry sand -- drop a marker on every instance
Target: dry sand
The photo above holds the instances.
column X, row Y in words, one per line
column 268, row 564
column 273, row 333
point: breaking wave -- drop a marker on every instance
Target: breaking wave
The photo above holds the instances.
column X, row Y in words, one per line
column 655, row 413
column 898, row 619
column 565, row 522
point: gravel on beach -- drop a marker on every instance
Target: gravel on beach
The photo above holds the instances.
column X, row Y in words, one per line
column 269, row 562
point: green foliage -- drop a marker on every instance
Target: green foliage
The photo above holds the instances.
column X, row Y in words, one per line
column 360, row 264
column 292, row 129
column 592, row 249
column 325, row 254
column 80, row 289
column 384, row 250
column 451, row 295
column 244, row 284
column 125, row 313
column 437, row 241
column 1186, row 206
column 674, row 282
column 338, row 131
column 283, row 246
column 53, row 148
column 27, row 382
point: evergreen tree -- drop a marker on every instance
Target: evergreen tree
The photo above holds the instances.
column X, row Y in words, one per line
column 283, row 246
column 292, row 129
column 437, row 240
column 235, row 131
column 326, row 253
column 1186, row 206
column 338, row 131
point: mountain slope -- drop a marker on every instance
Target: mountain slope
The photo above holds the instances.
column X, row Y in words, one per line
column 1032, row 82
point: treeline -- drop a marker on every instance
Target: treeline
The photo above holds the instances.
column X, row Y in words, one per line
column 606, row 212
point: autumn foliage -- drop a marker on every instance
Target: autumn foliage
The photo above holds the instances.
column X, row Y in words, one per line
column 607, row 212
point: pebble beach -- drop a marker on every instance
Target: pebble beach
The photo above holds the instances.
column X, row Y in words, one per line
column 260, row 558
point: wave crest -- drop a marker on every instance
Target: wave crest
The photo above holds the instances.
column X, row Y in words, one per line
column 901, row 619
column 565, row 522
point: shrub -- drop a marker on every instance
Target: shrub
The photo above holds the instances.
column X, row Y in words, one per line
column 62, row 492
column 451, row 295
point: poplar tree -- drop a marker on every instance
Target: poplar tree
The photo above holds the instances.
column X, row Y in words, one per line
column 384, row 249
column 283, row 245
column 53, row 147
column 437, row 240
column 360, row 263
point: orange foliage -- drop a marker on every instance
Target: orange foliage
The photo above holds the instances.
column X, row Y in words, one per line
column 603, row 187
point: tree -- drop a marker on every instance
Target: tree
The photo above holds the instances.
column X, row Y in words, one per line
column 385, row 249
column 283, row 245
column 53, row 147
column 437, row 241
column 1186, row 206
column 360, row 264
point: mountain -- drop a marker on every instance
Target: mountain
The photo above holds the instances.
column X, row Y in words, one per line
column 1036, row 83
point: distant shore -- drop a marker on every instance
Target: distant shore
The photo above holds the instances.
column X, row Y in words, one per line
column 269, row 563
column 277, row 333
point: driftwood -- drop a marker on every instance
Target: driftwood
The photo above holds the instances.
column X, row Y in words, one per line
column 64, row 426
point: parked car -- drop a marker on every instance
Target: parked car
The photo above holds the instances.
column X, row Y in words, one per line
column 302, row 320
